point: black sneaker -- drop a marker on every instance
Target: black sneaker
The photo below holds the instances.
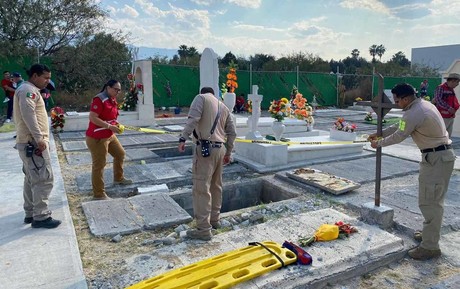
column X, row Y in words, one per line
column 49, row 223
column 28, row 220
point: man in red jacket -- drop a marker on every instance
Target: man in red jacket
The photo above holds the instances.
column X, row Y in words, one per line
column 446, row 100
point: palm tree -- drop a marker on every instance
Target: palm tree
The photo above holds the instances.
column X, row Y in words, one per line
column 373, row 51
column 183, row 52
column 380, row 51
column 355, row 53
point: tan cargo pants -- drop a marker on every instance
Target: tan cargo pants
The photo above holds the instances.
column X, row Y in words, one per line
column 99, row 149
column 38, row 183
column 435, row 171
column 207, row 186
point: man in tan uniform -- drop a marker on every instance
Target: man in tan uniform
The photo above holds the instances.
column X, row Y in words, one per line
column 32, row 143
column 212, row 125
column 423, row 122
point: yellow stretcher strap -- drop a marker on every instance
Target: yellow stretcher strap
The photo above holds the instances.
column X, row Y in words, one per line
column 225, row 270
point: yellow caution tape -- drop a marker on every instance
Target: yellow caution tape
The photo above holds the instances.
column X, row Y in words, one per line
column 141, row 129
column 300, row 142
column 363, row 138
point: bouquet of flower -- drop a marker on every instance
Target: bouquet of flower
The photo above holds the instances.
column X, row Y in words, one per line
column 248, row 106
column 130, row 100
column 231, row 77
column 341, row 124
column 358, row 99
column 327, row 232
column 279, row 109
column 301, row 109
column 57, row 118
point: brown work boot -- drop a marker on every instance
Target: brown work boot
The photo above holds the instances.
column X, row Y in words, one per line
column 101, row 197
column 418, row 236
column 420, row 253
column 216, row 225
column 204, row 235
column 123, row 181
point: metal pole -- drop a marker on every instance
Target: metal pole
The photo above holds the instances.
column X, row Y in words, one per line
column 250, row 77
column 297, row 69
column 337, row 84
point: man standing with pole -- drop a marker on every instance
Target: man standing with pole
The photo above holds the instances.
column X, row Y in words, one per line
column 423, row 122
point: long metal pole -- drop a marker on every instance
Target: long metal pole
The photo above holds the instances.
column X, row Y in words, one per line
column 250, row 77
column 297, row 70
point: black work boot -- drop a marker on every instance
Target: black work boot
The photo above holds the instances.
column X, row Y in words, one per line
column 49, row 223
column 28, row 220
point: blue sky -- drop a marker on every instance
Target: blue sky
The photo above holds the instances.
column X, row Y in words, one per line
column 325, row 28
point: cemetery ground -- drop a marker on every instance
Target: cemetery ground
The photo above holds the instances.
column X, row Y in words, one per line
column 104, row 258
column 120, row 261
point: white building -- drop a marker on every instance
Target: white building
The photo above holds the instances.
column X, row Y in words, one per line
column 437, row 57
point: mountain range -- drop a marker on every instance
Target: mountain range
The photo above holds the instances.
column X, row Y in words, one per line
column 146, row 52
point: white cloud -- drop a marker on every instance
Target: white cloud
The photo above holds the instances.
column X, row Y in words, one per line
column 203, row 2
column 130, row 11
column 111, row 9
column 246, row 3
column 373, row 5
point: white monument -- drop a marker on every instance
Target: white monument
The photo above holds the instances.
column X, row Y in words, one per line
column 253, row 120
column 145, row 110
column 209, row 71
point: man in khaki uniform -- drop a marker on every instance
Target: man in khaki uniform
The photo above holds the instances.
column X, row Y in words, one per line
column 423, row 122
column 32, row 143
column 212, row 125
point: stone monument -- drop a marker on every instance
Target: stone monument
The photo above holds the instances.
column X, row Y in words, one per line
column 253, row 120
column 209, row 70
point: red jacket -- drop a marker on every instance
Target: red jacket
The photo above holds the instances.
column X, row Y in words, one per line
column 107, row 109
column 445, row 98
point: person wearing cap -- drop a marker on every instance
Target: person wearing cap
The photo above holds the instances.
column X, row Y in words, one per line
column 423, row 122
column 446, row 100
column 17, row 79
column 8, row 87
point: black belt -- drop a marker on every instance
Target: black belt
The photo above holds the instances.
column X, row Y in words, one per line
column 214, row 144
column 436, row 149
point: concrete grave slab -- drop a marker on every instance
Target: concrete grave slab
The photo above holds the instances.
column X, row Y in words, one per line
column 111, row 217
column 84, row 158
column 177, row 128
column 364, row 249
column 70, row 146
column 358, row 170
column 158, row 211
column 71, row 135
column 330, row 183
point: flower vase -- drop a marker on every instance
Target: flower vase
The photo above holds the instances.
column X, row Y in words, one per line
column 230, row 100
column 278, row 129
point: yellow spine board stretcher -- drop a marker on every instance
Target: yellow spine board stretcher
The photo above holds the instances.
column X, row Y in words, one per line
column 225, row 270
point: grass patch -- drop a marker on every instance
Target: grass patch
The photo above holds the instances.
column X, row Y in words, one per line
column 388, row 121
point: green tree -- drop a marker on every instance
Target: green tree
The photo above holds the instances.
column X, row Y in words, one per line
column 85, row 68
column 380, row 51
column 400, row 58
column 373, row 52
column 355, row 53
column 258, row 60
column 46, row 25
column 228, row 57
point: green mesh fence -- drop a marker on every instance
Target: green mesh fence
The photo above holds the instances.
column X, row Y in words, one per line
column 19, row 65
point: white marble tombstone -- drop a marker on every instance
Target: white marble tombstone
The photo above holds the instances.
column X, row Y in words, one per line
column 253, row 121
column 209, row 71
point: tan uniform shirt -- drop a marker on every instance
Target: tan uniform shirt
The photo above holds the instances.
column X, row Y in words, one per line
column 30, row 115
column 201, row 116
column 423, row 122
